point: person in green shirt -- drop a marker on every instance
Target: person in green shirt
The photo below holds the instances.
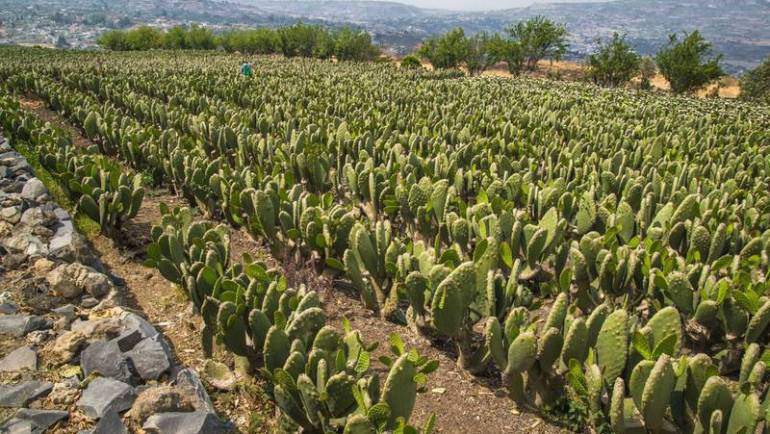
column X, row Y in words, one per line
column 247, row 69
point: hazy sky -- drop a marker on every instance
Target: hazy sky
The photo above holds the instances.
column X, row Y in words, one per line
column 477, row 5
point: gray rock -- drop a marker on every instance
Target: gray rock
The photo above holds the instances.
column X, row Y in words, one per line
column 88, row 302
column 36, row 248
column 128, row 339
column 25, row 243
column 14, row 261
column 21, row 169
column 197, row 422
column 150, row 358
column 10, row 158
column 33, row 189
column 98, row 328
column 71, row 280
column 32, row 421
column 8, row 309
column 61, row 214
column 134, row 321
column 110, row 423
column 11, row 214
column 189, row 379
column 20, row 325
column 62, row 239
column 72, row 247
column 10, row 199
column 67, row 311
column 106, row 358
column 39, row 337
column 37, row 216
column 14, row 186
column 18, row 426
column 21, row 394
column 105, row 395
column 19, row 359
column 63, row 282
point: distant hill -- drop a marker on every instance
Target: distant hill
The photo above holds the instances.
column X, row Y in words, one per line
column 335, row 10
column 739, row 29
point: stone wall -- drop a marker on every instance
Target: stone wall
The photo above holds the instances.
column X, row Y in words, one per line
column 71, row 358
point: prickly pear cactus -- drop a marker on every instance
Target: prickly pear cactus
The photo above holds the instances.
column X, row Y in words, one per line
column 452, row 299
column 612, row 345
column 400, row 390
column 657, row 393
column 715, row 396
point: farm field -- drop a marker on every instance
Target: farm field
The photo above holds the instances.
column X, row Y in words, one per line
column 519, row 248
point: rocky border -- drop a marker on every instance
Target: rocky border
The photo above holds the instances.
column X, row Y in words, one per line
column 72, row 356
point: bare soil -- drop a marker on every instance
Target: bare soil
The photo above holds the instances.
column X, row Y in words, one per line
column 463, row 404
column 39, row 107
column 726, row 87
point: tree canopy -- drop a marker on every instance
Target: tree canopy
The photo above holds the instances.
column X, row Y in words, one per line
column 755, row 84
column 297, row 40
column 539, row 38
column 446, row 51
column 688, row 64
column 613, row 63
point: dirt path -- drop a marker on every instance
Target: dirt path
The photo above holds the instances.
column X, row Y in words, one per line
column 39, row 107
column 462, row 403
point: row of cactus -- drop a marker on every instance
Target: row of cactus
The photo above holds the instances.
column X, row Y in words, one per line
column 320, row 380
column 102, row 190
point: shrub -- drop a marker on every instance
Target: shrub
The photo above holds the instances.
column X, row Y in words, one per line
column 687, row 64
column 446, row 51
column 411, row 62
column 538, row 38
column 614, row 62
column 755, row 84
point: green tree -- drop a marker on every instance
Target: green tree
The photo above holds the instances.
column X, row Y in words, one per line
column 446, row 51
column 508, row 51
column 144, row 38
column 350, row 44
column 306, row 41
column 755, row 84
column 199, row 38
column 481, row 54
column 687, row 64
column 613, row 63
column 254, row 41
column 175, row 38
column 538, row 38
column 114, row 40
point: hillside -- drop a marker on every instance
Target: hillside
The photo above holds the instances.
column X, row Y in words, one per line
column 737, row 28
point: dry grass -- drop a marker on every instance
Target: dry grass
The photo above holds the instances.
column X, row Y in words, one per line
column 726, row 87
